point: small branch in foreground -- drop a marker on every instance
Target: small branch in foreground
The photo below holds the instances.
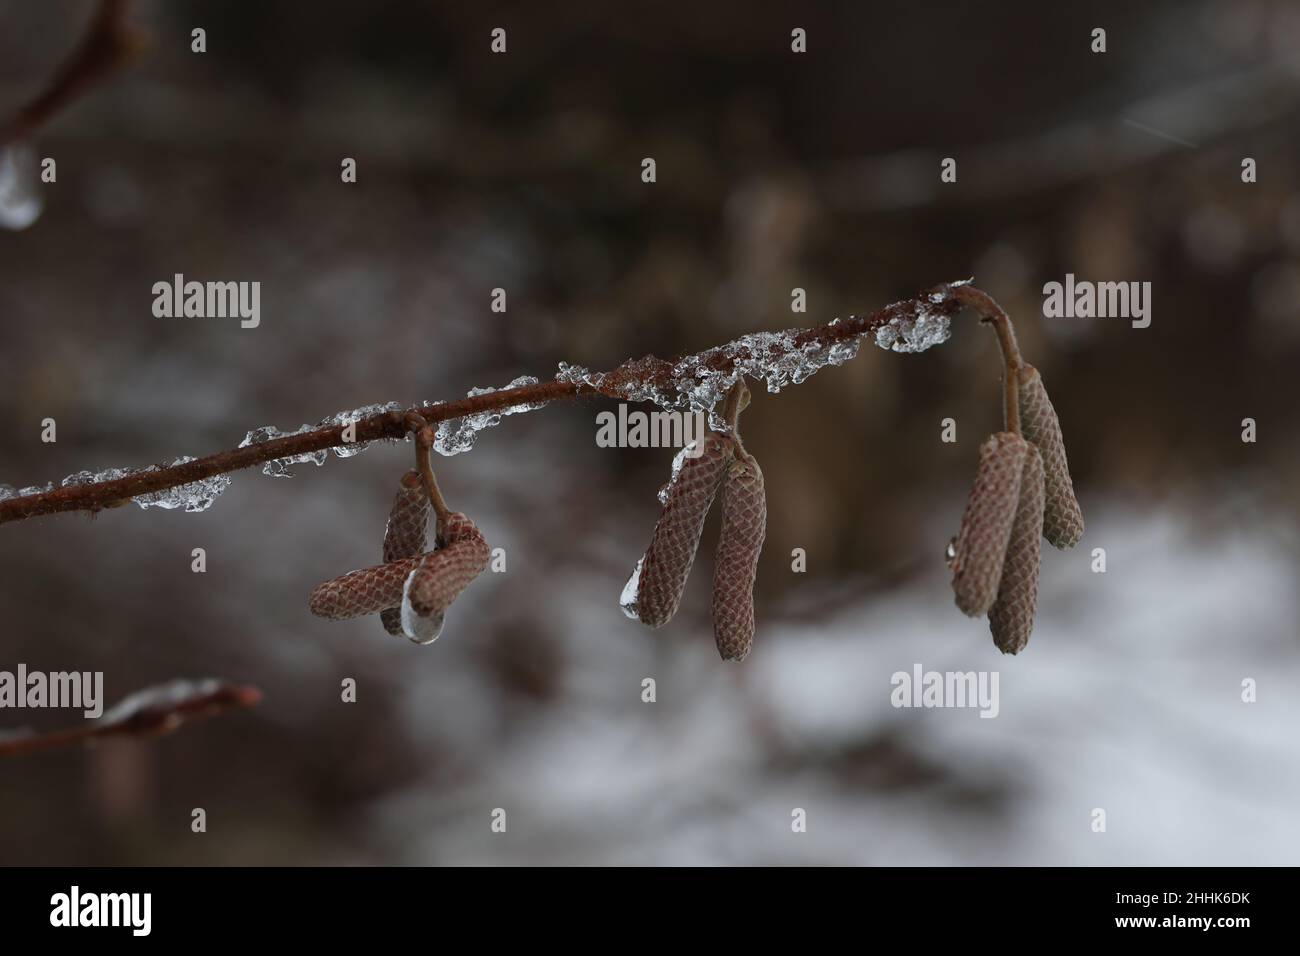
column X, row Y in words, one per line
column 151, row 712
column 626, row 382
column 110, row 43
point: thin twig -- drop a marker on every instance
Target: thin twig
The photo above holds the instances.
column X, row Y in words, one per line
column 110, row 43
column 626, row 382
column 424, row 439
column 147, row 713
column 737, row 402
column 993, row 314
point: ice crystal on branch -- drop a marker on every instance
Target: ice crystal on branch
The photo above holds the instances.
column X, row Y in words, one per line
column 193, row 497
column 699, row 382
column 915, row 333
column 282, row 467
column 693, row 384
column 458, row 434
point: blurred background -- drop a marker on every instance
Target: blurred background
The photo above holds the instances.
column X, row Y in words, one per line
column 775, row 170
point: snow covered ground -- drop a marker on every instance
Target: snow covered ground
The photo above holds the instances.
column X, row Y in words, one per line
column 1128, row 699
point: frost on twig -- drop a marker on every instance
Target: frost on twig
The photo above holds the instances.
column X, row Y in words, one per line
column 150, row 712
column 458, row 435
column 699, row 382
column 282, row 467
column 696, row 382
column 109, row 43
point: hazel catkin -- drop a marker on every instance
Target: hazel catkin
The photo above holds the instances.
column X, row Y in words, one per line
column 423, row 586
column 1062, row 517
column 744, row 525
column 1011, row 619
column 981, row 544
column 676, row 536
column 364, row 591
column 405, row 535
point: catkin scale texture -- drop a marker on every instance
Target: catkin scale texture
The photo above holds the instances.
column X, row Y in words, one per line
column 445, row 573
column 408, row 521
column 744, row 525
column 981, row 544
column 676, row 537
column 437, row 578
column 1011, row 619
column 1062, row 517
column 362, row 592
column 391, row 618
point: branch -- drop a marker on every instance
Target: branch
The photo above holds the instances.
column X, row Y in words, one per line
column 643, row 379
column 110, row 43
column 993, row 314
column 151, row 712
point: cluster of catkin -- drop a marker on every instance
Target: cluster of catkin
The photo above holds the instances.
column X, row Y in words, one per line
column 413, row 588
column 722, row 465
column 1022, row 493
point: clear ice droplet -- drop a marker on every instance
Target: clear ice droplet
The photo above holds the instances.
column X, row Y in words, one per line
column 420, row 629
column 627, row 600
column 20, row 190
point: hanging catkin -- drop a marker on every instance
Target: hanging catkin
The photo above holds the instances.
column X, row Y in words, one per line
column 744, row 524
column 981, row 544
column 1011, row 619
column 405, row 535
column 1062, row 517
column 676, row 536
column 423, row 586
column 362, row 592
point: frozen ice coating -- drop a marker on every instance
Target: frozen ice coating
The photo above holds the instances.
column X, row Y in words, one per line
column 914, row 334
column 357, row 414
column 33, row 490
column 20, row 194
column 419, row 629
column 196, row 496
column 918, row 333
column 627, row 600
column 199, row 495
column 678, row 460
column 577, row 374
column 774, row 358
column 282, row 467
column 458, row 434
